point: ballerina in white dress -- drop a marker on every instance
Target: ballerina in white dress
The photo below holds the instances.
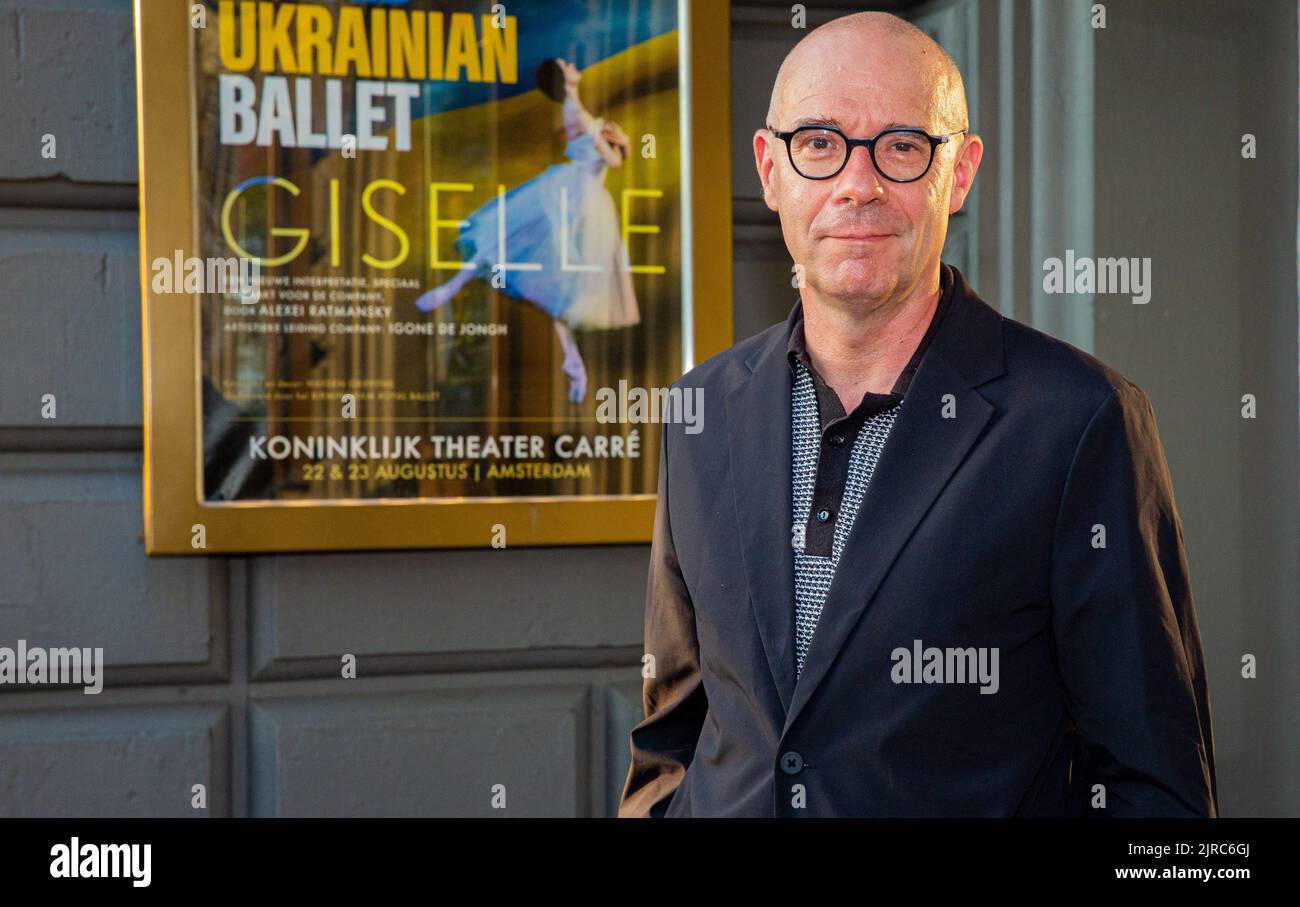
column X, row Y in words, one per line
column 563, row 219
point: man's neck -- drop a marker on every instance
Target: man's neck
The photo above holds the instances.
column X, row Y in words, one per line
column 859, row 349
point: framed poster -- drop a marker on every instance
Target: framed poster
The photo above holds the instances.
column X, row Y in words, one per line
column 419, row 274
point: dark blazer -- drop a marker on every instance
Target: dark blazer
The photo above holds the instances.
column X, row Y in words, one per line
column 978, row 530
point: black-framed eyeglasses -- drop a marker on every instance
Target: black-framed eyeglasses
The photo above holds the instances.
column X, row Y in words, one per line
column 899, row 155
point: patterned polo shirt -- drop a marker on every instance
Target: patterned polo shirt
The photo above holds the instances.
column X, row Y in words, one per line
column 834, row 456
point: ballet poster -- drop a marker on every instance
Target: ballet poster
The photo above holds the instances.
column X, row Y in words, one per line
column 440, row 250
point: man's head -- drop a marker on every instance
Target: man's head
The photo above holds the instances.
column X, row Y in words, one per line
column 865, row 73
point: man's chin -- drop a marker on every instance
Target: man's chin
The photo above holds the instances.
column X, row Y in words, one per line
column 859, row 282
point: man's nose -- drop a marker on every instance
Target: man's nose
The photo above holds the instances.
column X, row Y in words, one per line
column 859, row 180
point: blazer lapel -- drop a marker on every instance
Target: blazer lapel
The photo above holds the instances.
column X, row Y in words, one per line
column 923, row 451
column 758, row 420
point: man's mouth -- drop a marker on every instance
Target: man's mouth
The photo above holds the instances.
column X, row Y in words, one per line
column 860, row 237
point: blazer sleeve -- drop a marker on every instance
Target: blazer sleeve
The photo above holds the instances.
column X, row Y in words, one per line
column 1127, row 639
column 663, row 744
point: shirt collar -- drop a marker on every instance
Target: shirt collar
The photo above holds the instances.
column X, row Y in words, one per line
column 797, row 350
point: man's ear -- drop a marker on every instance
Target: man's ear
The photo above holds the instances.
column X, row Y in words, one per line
column 766, row 164
column 963, row 173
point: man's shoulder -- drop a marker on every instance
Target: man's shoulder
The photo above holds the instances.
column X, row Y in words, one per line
column 1047, row 369
column 1059, row 374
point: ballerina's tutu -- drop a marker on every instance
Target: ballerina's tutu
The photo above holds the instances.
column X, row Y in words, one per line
column 536, row 220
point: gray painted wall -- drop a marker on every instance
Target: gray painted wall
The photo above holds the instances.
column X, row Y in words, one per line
column 1191, row 78
column 520, row 667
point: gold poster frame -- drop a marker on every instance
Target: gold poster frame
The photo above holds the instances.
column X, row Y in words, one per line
column 173, row 509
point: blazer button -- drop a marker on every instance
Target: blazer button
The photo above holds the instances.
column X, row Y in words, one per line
column 837, row 440
column 791, row 763
column 823, row 516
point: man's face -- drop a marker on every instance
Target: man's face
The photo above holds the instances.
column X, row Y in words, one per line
column 861, row 238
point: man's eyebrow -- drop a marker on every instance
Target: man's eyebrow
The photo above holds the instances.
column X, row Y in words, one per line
column 831, row 121
column 817, row 121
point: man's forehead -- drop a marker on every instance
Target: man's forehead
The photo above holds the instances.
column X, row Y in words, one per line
column 859, row 113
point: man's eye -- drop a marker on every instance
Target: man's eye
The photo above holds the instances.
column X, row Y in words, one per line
column 816, row 144
column 905, row 147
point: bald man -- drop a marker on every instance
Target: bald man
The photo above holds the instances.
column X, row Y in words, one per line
column 922, row 560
